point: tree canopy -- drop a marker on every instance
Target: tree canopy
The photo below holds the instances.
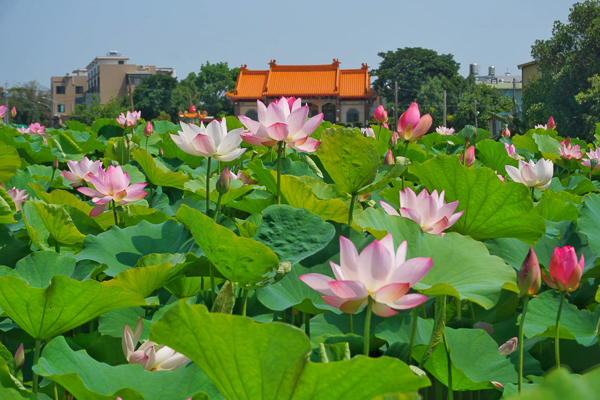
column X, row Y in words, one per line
column 154, row 94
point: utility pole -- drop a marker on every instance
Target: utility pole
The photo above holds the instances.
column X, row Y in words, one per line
column 445, row 107
column 514, row 96
column 475, row 104
column 130, row 93
column 6, row 96
column 395, row 106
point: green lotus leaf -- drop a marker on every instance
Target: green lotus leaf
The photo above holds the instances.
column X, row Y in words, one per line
column 588, row 221
column 493, row 155
column 560, row 385
column 50, row 221
column 158, row 174
column 9, row 162
column 7, row 208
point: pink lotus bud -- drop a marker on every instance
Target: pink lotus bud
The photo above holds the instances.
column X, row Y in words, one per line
column 149, row 130
column 565, row 271
column 55, row 164
column 500, row 176
column 489, row 328
column 385, row 126
column 364, row 197
column 389, row 158
column 411, row 125
column 506, row 133
column 530, row 277
column 497, row 384
column 509, row 347
column 19, row 358
column 380, row 114
column 224, row 181
column 551, row 124
column 394, row 139
column 13, row 112
column 470, row 154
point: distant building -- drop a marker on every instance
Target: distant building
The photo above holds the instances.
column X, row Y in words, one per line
column 510, row 86
column 529, row 70
column 342, row 95
column 67, row 92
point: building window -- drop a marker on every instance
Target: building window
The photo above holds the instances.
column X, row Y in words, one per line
column 60, row 90
column 352, row 115
column 79, row 100
column 313, row 109
column 60, row 108
column 329, row 112
column 121, row 62
column 78, row 89
column 252, row 114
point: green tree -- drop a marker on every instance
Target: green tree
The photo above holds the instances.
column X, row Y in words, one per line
column 26, row 98
column 566, row 62
column 91, row 110
column 154, row 94
column 490, row 103
column 412, row 67
column 213, row 81
column 431, row 100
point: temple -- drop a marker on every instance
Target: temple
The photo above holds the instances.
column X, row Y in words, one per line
column 342, row 95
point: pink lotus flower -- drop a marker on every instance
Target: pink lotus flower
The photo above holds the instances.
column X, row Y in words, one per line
column 130, row 119
column 368, row 132
column 379, row 272
column 17, row 196
column 500, row 176
column 385, row 126
column 431, row 212
column 506, row 133
column 509, row 347
column 245, row 178
column 13, row 112
column 37, row 129
column 537, row 175
column 2, row 112
column 565, row 271
column 151, row 356
column 412, row 126
column 211, row 141
column 112, row 185
column 149, row 129
column 593, row 155
column 380, row 114
column 79, row 171
column 442, row 130
column 551, row 124
column 530, row 277
column 568, row 151
column 470, row 154
column 510, row 150
column 22, row 129
column 283, row 120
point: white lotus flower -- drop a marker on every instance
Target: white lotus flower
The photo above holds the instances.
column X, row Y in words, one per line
column 211, row 141
column 533, row 175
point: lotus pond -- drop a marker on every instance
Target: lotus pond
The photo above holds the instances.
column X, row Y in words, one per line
column 289, row 258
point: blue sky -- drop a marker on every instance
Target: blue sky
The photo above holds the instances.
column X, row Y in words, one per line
column 43, row 38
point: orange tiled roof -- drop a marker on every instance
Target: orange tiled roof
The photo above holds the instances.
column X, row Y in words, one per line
column 303, row 80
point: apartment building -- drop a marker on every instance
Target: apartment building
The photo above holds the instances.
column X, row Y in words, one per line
column 67, row 92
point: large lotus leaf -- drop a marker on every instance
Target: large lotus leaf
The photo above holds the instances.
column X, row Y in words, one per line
column 39, row 267
column 462, row 267
column 292, row 292
column 30, row 147
column 548, row 146
column 121, row 249
column 269, row 361
column 293, row 233
column 65, row 304
column 45, row 221
column 65, row 147
column 350, row 159
column 157, row 172
column 10, row 388
column 146, row 280
column 493, row 208
column 239, row 259
column 580, row 325
column 556, row 210
column 236, row 190
column 87, row 378
column 560, row 385
column 588, row 221
column 475, row 359
column 9, row 162
column 493, row 154
column 387, row 174
column 7, row 208
column 512, row 251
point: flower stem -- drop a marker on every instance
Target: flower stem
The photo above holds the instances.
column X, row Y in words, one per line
column 521, row 344
column 450, row 393
column 557, row 339
column 211, row 270
column 458, row 304
column 307, row 324
column 36, row 358
column 367, row 334
column 350, row 323
column 351, row 209
column 379, row 134
column 405, row 148
column 57, row 247
column 51, row 179
column 414, row 315
column 114, row 208
column 244, row 301
column 218, row 208
column 147, row 143
column 208, row 185
column 279, row 147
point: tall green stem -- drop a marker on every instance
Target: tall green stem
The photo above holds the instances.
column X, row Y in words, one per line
column 350, row 323
column 458, row 304
column 414, row 315
column 218, row 208
column 279, row 147
column 557, row 338
column 211, row 271
column 147, row 137
column 114, row 208
column 521, row 344
column 36, row 358
column 208, row 185
column 352, row 201
column 51, row 179
column 450, row 393
column 405, row 148
column 379, row 134
column 307, row 324
column 244, row 301
column 367, row 334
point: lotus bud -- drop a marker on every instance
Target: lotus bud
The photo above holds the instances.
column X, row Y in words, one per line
column 386, row 126
column 389, row 158
column 55, row 164
column 19, row 358
column 530, row 276
column 489, row 328
column 497, row 384
column 509, row 347
column 364, row 197
column 380, row 114
column 551, row 124
column 161, row 152
column 224, row 181
column 149, row 130
column 506, row 133
column 393, row 139
column 470, row 156
column 13, row 112
column 565, row 270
